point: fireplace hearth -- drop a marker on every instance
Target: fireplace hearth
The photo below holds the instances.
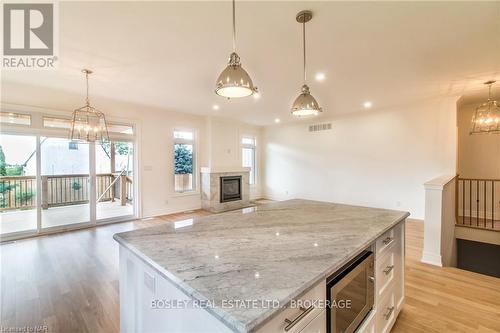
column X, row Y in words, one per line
column 230, row 188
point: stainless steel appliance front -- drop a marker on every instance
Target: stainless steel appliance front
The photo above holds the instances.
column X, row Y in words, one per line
column 350, row 292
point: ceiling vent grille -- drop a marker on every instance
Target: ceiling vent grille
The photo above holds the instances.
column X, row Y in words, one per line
column 320, row 127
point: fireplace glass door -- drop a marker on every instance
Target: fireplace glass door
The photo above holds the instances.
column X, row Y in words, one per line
column 230, row 188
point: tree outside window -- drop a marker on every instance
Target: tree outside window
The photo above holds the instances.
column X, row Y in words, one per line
column 184, row 163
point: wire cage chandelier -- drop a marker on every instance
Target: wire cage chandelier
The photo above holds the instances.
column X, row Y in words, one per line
column 87, row 123
column 486, row 118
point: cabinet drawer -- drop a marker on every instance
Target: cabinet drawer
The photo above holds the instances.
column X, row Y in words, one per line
column 386, row 313
column 387, row 266
column 317, row 325
column 385, row 242
column 293, row 319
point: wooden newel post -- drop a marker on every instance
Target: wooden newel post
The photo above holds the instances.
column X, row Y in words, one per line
column 45, row 192
column 123, row 190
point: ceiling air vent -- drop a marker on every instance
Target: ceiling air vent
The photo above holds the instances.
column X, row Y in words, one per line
column 320, row 127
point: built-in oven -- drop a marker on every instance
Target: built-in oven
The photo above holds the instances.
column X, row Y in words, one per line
column 350, row 293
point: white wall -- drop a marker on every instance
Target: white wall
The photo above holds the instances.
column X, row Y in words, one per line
column 375, row 158
column 478, row 155
column 224, row 147
column 154, row 139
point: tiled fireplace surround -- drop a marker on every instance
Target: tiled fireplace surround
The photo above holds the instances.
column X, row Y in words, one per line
column 210, row 188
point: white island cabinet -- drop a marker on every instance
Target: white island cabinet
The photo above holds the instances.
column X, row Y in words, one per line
column 178, row 280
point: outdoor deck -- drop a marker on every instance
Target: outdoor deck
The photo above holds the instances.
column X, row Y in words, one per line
column 22, row 220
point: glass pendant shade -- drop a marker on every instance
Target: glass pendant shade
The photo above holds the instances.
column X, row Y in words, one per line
column 487, row 116
column 234, row 81
column 87, row 123
column 305, row 104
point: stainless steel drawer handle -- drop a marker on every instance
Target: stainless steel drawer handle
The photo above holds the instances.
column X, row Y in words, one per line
column 389, row 312
column 292, row 323
column 388, row 240
column 388, row 269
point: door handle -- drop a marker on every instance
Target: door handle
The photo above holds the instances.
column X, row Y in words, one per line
column 389, row 312
column 388, row 240
column 388, row 269
column 292, row 323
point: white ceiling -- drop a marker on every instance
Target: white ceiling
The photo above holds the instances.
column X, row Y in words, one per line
column 168, row 54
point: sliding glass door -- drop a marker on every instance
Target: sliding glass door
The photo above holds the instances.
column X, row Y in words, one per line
column 114, row 179
column 49, row 183
column 18, row 184
column 65, row 182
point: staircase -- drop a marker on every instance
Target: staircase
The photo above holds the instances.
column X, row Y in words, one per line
column 478, row 203
column 477, row 225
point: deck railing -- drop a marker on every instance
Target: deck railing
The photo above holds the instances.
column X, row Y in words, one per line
column 19, row 192
column 478, row 203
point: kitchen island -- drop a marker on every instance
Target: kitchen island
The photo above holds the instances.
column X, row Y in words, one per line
column 239, row 271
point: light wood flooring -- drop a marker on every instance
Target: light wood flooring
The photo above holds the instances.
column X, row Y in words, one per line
column 69, row 282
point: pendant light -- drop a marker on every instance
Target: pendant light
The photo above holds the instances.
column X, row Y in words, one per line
column 487, row 116
column 305, row 104
column 234, row 81
column 88, row 124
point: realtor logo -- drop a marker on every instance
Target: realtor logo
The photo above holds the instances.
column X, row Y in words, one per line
column 28, row 36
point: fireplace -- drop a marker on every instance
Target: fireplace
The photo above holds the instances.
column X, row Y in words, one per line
column 230, row 188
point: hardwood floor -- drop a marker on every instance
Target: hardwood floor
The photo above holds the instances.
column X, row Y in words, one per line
column 445, row 299
column 69, row 283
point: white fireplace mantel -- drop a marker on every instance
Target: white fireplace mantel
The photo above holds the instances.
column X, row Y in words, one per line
column 211, row 187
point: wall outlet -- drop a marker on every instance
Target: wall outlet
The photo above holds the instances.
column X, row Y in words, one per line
column 166, row 202
column 398, row 203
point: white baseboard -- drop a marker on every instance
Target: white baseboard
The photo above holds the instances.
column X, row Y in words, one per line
column 166, row 211
column 432, row 259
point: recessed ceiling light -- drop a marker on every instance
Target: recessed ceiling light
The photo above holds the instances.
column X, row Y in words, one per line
column 367, row 104
column 277, row 120
column 215, row 107
column 320, row 76
column 256, row 95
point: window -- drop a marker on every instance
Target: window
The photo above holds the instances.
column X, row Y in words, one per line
column 184, row 161
column 15, row 118
column 65, row 123
column 248, row 156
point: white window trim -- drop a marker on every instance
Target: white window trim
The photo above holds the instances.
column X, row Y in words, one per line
column 196, row 177
column 255, row 162
column 37, row 129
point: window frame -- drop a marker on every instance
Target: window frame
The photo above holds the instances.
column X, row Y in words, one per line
column 194, row 143
column 253, row 170
column 15, row 114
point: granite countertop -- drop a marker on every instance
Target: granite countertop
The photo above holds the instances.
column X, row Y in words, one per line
column 274, row 251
